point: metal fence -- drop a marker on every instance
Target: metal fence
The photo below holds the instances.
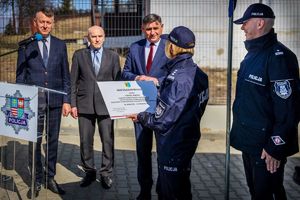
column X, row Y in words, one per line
column 121, row 20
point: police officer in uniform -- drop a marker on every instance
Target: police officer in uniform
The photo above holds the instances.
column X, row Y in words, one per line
column 265, row 108
column 182, row 99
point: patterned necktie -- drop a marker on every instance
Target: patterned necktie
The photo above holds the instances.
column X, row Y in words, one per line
column 150, row 57
column 45, row 52
column 96, row 62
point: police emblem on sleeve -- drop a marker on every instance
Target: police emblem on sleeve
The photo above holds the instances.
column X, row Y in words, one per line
column 283, row 89
column 277, row 140
column 160, row 109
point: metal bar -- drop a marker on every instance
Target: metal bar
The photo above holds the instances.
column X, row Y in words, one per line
column 33, row 171
column 228, row 106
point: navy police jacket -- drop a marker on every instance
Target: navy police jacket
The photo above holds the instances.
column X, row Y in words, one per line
column 181, row 102
column 267, row 99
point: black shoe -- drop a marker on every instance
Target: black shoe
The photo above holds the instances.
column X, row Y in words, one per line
column 36, row 192
column 54, row 187
column 106, row 182
column 144, row 197
column 296, row 175
column 87, row 180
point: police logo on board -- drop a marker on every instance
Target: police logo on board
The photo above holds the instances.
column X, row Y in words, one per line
column 283, row 89
column 17, row 111
column 160, row 109
column 277, row 140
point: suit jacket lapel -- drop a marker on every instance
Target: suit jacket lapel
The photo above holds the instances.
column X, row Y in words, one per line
column 103, row 62
column 142, row 56
column 158, row 54
column 35, row 47
column 87, row 55
column 52, row 52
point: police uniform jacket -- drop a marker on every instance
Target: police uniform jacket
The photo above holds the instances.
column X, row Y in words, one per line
column 181, row 102
column 265, row 107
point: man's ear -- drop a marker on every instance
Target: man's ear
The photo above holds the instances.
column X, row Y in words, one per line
column 261, row 23
column 34, row 22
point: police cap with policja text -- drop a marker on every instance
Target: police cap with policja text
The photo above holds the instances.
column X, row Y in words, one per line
column 182, row 37
column 257, row 10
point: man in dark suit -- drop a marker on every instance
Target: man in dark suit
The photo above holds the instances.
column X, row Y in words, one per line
column 146, row 61
column 45, row 63
column 90, row 65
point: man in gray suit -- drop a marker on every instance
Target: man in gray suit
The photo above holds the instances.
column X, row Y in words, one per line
column 90, row 65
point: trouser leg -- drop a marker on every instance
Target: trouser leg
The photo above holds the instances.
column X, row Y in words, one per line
column 106, row 131
column 144, row 137
column 263, row 184
column 86, row 133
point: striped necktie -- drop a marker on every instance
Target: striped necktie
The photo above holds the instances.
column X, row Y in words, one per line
column 45, row 52
column 96, row 62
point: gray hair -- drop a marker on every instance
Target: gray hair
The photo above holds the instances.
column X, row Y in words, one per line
column 269, row 23
column 151, row 18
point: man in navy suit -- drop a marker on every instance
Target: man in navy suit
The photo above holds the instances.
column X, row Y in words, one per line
column 145, row 62
column 45, row 63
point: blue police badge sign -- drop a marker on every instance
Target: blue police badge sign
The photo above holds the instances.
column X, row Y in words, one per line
column 17, row 111
column 283, row 89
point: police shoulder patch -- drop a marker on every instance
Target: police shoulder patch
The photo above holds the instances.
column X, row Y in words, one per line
column 277, row 140
column 283, row 88
column 160, row 109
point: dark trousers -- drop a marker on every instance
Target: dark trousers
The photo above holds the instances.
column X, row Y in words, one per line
column 86, row 131
column 173, row 183
column 49, row 118
column 144, row 138
column 262, row 184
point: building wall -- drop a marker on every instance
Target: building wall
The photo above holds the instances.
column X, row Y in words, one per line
column 209, row 21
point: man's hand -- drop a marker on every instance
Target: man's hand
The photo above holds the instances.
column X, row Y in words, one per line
column 146, row 78
column 66, row 109
column 133, row 117
column 272, row 163
column 74, row 113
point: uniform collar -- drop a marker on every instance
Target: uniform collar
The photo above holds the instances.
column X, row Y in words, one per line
column 262, row 42
column 178, row 59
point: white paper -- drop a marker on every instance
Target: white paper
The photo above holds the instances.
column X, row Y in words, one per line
column 128, row 97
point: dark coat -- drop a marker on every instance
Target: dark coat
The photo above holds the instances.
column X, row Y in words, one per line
column 136, row 65
column 266, row 103
column 32, row 71
column 182, row 100
column 86, row 95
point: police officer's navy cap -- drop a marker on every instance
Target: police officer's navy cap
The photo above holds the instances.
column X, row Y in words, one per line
column 257, row 10
column 182, row 37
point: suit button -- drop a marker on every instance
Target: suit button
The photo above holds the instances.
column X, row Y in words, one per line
column 46, row 83
column 46, row 73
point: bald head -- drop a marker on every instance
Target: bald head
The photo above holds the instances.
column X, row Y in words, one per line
column 96, row 36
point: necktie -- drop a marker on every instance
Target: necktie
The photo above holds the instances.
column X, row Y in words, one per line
column 96, row 62
column 45, row 53
column 150, row 57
